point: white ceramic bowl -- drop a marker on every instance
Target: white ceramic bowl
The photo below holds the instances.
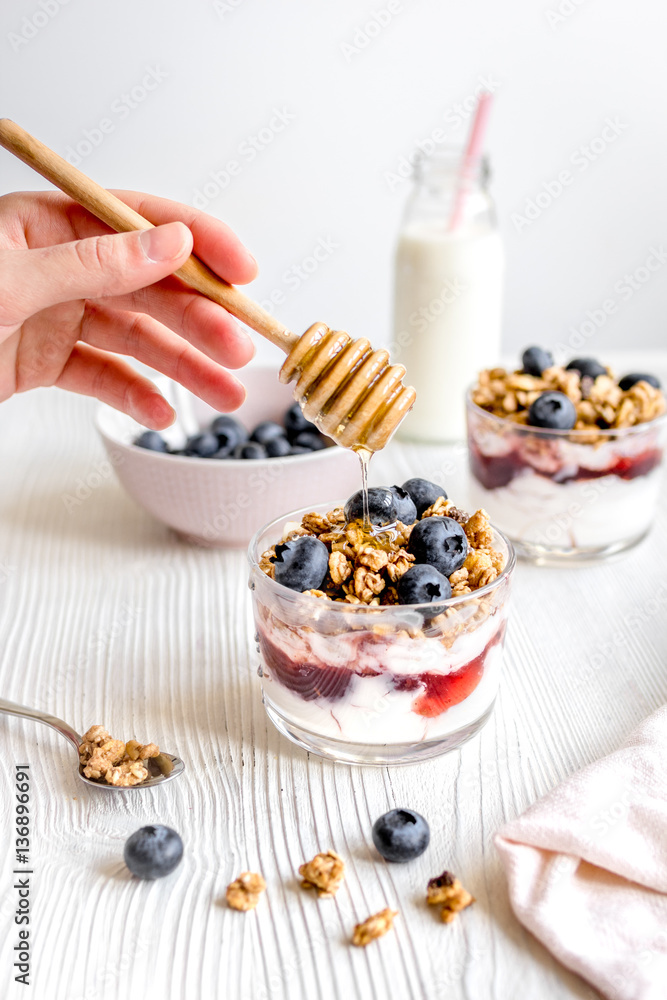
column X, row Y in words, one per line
column 223, row 503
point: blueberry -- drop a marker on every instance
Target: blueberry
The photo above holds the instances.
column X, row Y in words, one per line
column 202, row 445
column 301, row 564
column 628, row 381
column 423, row 584
column 552, row 409
column 439, row 542
column 535, row 360
column 153, row 851
column 298, row 450
column 587, row 366
column 228, row 431
column 401, row 835
column 152, row 441
column 295, row 422
column 312, row 440
column 267, row 431
column 224, row 453
column 251, row 450
column 423, row 493
column 278, row 447
column 405, row 506
column 381, row 503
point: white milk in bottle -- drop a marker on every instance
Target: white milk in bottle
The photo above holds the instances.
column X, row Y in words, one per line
column 448, row 293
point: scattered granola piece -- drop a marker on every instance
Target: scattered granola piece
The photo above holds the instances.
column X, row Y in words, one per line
column 374, row 927
column 244, row 892
column 324, row 873
column 445, row 890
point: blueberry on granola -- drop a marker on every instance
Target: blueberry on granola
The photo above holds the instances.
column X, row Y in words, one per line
column 440, row 542
column 301, row 564
column 406, row 512
column 152, row 441
column 554, row 410
column 202, row 445
column 401, row 835
column 381, row 506
column 586, row 366
column 422, row 584
column 153, row 851
column 535, row 360
column 423, row 493
column 628, row 381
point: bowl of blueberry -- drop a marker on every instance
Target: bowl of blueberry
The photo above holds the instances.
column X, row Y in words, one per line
column 568, row 459
column 214, row 477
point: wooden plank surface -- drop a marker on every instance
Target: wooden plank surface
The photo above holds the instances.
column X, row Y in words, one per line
column 106, row 617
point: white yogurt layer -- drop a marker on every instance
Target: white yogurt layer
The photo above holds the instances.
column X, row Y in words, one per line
column 588, row 513
column 372, row 711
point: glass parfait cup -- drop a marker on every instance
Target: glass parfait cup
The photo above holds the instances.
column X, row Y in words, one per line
column 386, row 684
column 570, row 496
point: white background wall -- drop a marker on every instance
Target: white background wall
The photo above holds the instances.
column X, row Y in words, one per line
column 560, row 69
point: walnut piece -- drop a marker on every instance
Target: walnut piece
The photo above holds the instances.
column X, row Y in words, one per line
column 244, row 892
column 112, row 761
column 374, row 927
column 446, row 891
column 324, row 873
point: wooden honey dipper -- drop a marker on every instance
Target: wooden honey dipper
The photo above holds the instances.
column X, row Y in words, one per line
column 347, row 389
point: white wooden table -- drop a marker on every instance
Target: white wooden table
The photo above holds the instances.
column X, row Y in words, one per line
column 106, row 617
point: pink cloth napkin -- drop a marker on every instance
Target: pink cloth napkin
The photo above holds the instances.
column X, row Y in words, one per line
column 587, row 868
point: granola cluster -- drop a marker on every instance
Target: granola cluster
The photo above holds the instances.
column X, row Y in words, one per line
column 244, row 892
column 373, row 927
column 364, row 568
column 324, row 873
column 599, row 402
column 447, row 892
column 112, row 761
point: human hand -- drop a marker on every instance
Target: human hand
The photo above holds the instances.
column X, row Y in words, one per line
column 74, row 295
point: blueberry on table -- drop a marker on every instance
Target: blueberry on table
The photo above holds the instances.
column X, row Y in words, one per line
column 440, row 542
column 586, row 366
column 381, row 504
column 201, row 445
column 278, row 447
column 228, row 431
column 405, row 505
column 554, row 410
column 295, row 422
column 312, row 440
column 251, row 450
column 628, row 381
column 152, row 441
column 301, row 564
column 535, row 360
column 153, row 851
column 267, row 431
column 423, row 492
column 401, row 835
column 423, row 584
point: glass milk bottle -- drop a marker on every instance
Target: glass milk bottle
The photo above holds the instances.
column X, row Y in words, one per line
column 448, row 292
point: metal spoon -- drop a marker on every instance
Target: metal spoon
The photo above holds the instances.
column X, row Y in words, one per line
column 162, row 768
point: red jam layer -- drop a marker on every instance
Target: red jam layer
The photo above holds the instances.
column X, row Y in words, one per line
column 494, row 471
column 435, row 692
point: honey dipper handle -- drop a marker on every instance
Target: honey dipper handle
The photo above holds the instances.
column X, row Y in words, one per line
column 123, row 219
